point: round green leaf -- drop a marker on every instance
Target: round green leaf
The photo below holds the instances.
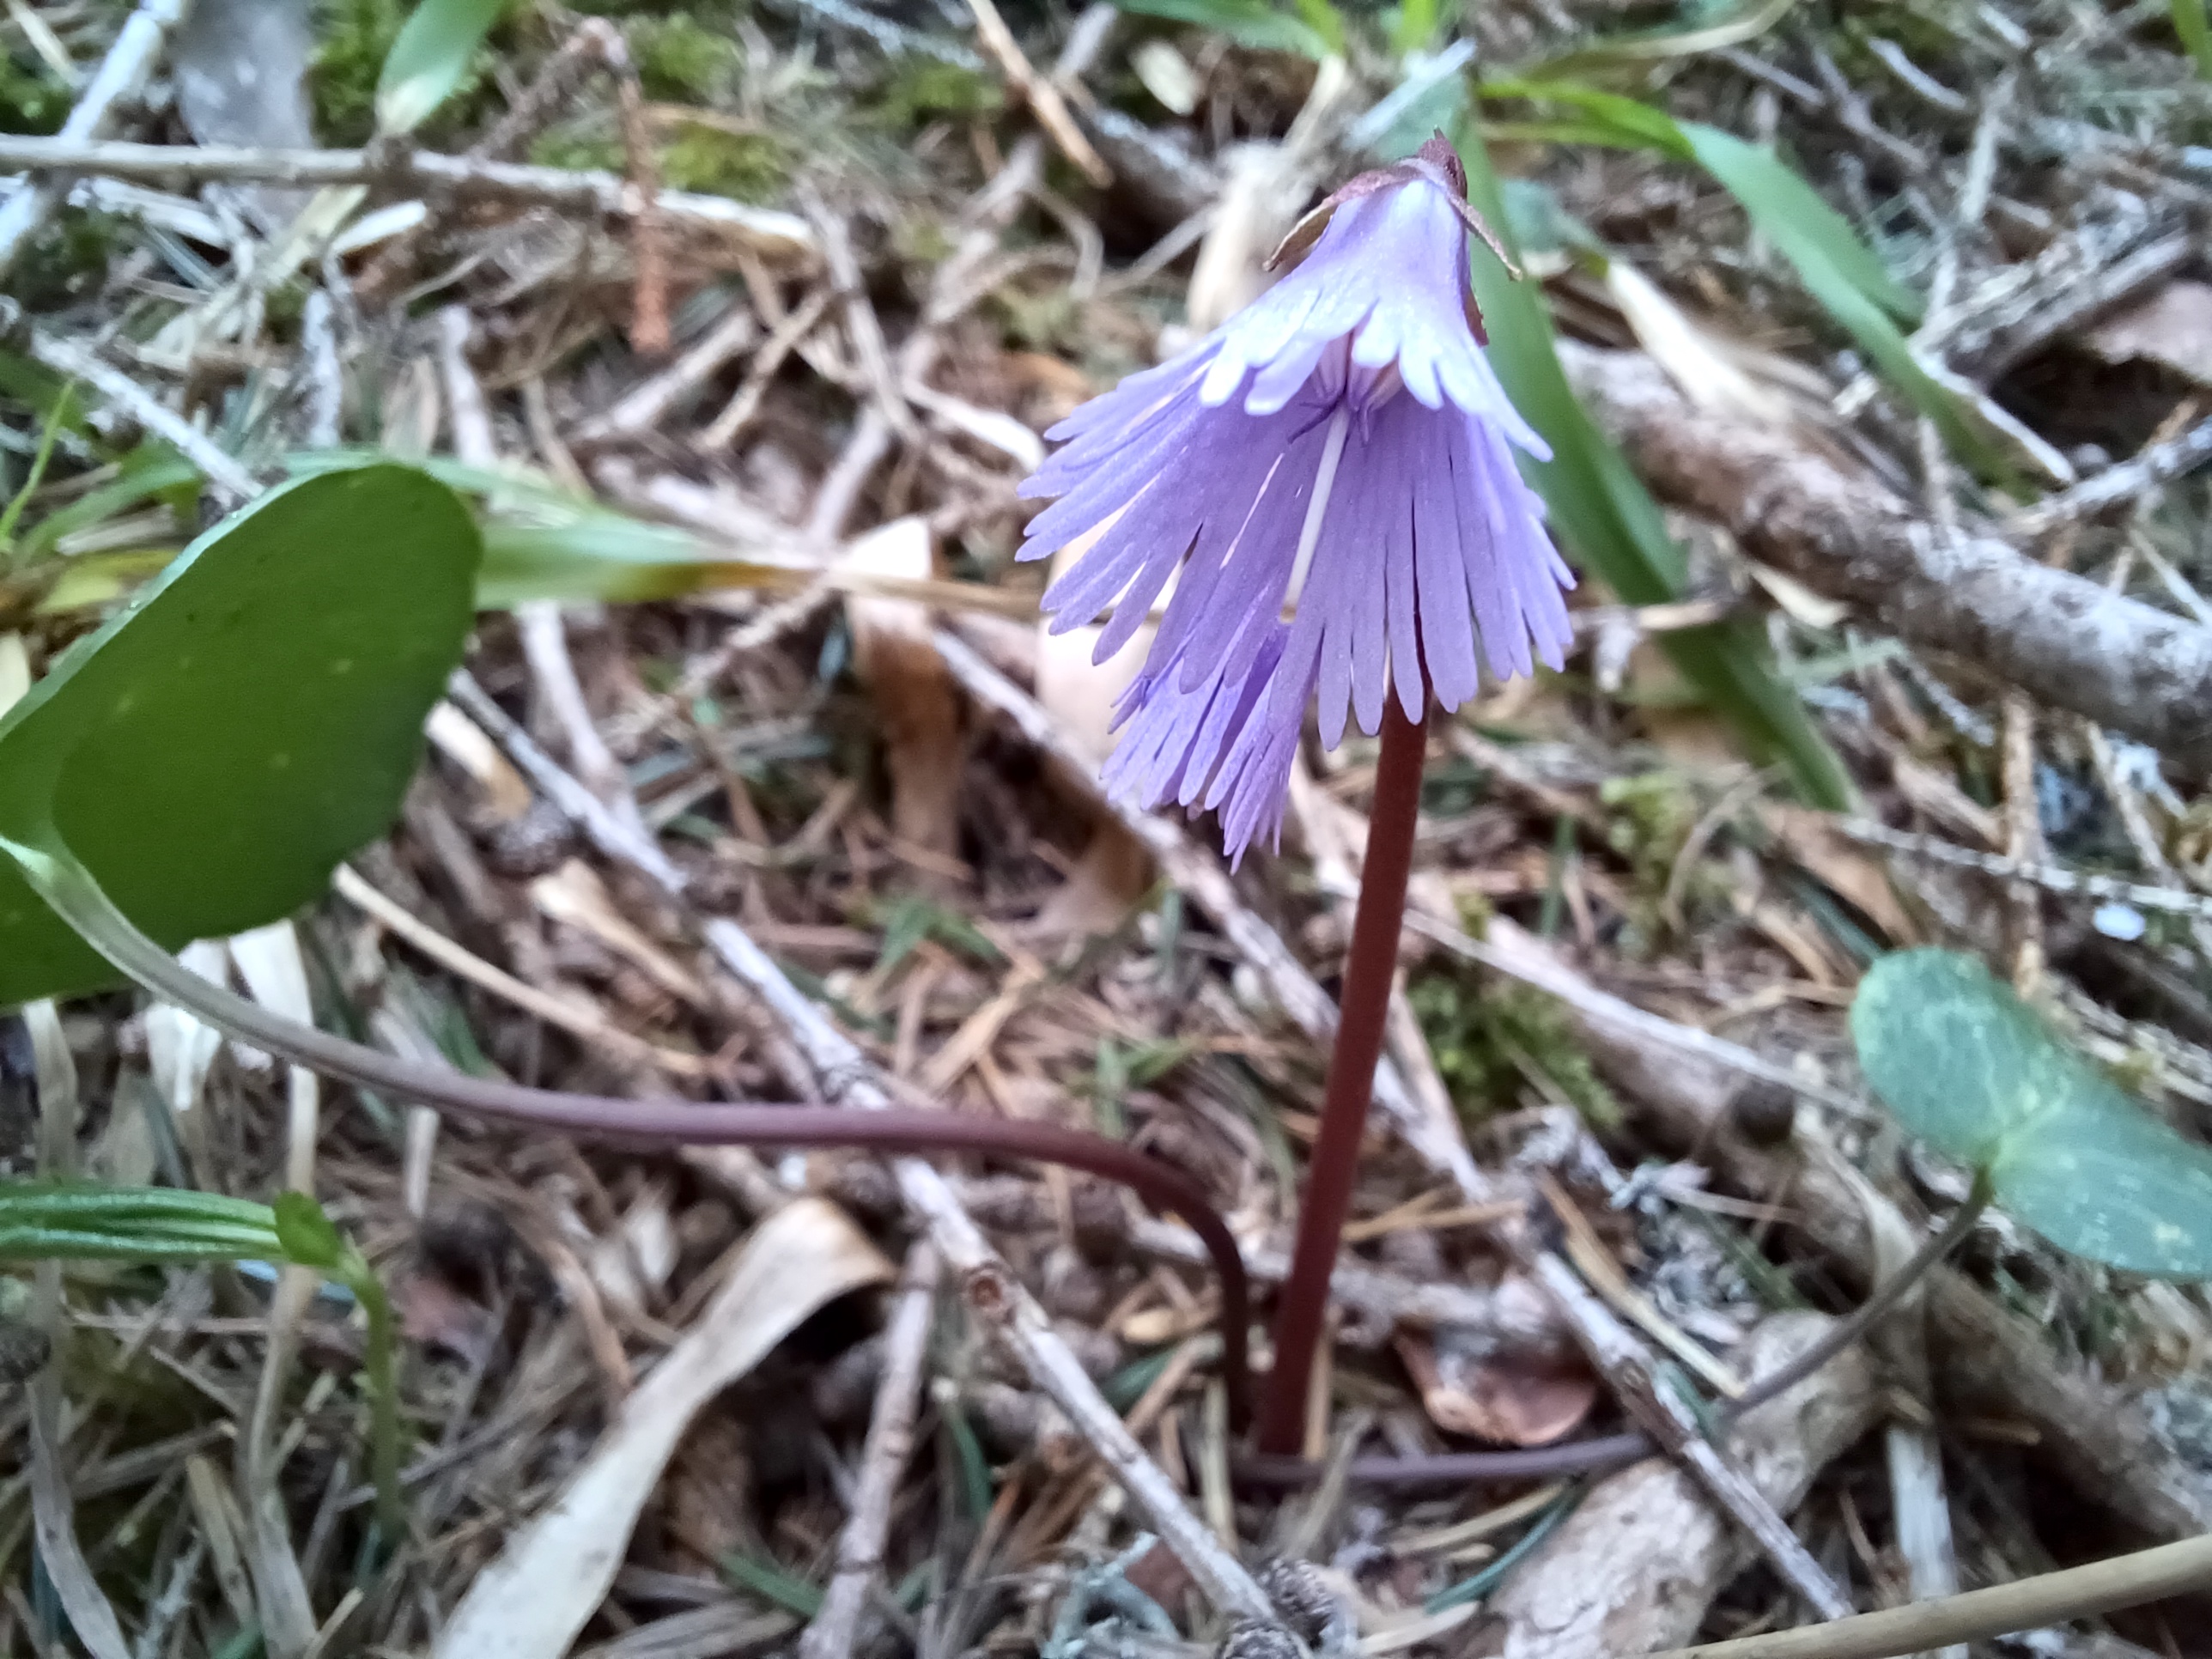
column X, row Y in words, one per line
column 212, row 753
column 429, row 58
column 2107, row 1182
column 1959, row 1058
column 1966, row 1065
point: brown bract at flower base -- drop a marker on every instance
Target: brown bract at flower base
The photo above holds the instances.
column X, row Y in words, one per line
column 1434, row 159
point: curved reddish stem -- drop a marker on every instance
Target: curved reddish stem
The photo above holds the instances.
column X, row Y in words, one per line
column 1369, row 971
column 76, row 896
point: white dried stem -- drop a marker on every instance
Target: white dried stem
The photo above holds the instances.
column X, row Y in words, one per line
column 883, row 1460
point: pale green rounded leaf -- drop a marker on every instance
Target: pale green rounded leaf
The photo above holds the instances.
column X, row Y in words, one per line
column 1967, row 1066
column 428, row 61
column 1959, row 1058
column 2106, row 1181
column 212, row 752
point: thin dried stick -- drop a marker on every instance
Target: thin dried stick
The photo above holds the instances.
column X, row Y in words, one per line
column 737, row 414
column 883, row 1460
column 230, row 482
column 579, row 1018
column 845, row 1076
column 648, row 235
column 1038, row 92
column 122, row 76
column 2124, row 1581
column 762, row 231
column 2131, row 481
column 2051, row 878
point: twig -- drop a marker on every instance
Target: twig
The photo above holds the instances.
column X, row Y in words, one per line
column 2124, row 1581
column 762, row 231
column 988, row 213
column 122, row 76
column 1644, row 1555
column 1664, row 1414
column 649, row 239
column 2131, row 480
column 845, row 1076
column 862, row 325
column 2056, row 636
column 1039, row 93
column 883, row 1461
column 737, row 414
column 2051, row 878
column 318, row 347
column 644, row 407
column 579, row 1018
column 231, row 483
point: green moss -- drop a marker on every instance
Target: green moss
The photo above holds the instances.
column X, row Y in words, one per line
column 1040, row 322
column 922, row 90
column 66, row 261
column 31, row 99
column 1488, row 1041
column 579, row 151
column 751, row 167
column 1651, row 818
column 681, row 60
column 356, row 36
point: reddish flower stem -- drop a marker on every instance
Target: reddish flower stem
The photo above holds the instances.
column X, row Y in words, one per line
column 1369, row 972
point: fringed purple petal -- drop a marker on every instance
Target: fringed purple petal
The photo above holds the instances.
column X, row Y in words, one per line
column 1213, row 743
column 1349, row 411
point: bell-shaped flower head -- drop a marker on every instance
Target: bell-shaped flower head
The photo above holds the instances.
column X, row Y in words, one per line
column 1340, row 444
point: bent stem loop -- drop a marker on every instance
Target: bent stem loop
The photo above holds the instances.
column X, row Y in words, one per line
column 1607, row 1452
column 1370, row 969
column 75, row 895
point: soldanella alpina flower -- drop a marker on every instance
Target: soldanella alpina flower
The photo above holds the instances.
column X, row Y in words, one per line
column 1340, row 445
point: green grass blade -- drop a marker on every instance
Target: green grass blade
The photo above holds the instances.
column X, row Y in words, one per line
column 1791, row 213
column 1748, row 22
column 1416, row 25
column 428, row 61
column 2195, row 33
column 1608, row 519
column 1253, row 23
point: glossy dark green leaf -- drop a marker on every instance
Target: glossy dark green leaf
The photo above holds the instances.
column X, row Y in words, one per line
column 1969, row 1067
column 211, row 753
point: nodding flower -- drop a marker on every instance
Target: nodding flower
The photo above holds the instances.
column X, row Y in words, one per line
column 1341, row 445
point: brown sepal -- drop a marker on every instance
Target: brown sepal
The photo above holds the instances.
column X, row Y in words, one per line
column 1436, row 161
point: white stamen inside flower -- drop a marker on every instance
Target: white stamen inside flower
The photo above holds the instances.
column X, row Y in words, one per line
column 1340, row 425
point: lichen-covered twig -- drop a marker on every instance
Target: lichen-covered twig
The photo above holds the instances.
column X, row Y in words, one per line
column 2060, row 638
column 762, row 231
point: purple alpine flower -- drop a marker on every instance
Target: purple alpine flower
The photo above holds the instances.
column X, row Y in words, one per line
column 1342, row 444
